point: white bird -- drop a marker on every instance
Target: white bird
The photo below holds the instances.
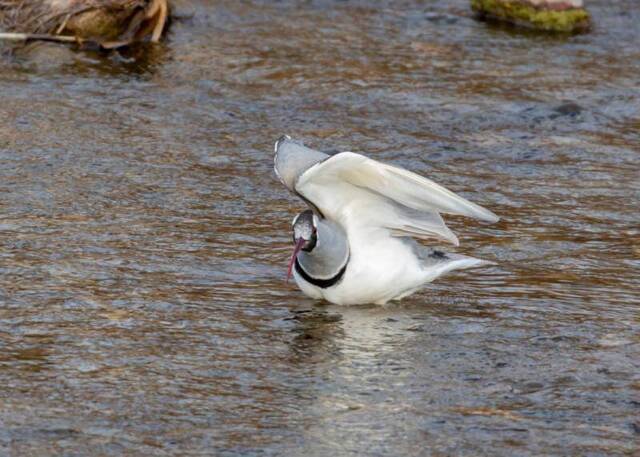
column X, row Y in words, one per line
column 355, row 245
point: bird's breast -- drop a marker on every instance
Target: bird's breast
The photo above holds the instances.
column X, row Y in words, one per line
column 378, row 270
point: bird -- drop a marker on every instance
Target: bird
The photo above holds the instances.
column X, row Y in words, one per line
column 356, row 243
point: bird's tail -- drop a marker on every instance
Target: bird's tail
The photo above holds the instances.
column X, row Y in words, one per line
column 437, row 263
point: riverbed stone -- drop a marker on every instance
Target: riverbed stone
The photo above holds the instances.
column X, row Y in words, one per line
column 110, row 23
column 567, row 16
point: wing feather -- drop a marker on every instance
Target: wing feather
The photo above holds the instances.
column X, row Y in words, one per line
column 385, row 196
column 403, row 186
column 427, row 224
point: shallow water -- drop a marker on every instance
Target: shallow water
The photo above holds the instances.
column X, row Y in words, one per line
column 144, row 238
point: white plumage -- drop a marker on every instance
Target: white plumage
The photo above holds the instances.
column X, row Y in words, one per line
column 378, row 207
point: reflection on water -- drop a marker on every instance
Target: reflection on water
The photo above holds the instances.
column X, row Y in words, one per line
column 144, row 238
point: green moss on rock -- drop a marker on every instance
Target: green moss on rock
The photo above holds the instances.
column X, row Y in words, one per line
column 519, row 13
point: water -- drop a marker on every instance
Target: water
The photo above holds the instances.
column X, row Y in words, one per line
column 144, row 238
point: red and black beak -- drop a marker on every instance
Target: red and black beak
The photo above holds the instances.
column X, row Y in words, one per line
column 299, row 244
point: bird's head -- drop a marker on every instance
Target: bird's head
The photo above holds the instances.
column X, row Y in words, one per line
column 305, row 235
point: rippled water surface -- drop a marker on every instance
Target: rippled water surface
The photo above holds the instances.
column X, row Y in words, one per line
column 144, row 238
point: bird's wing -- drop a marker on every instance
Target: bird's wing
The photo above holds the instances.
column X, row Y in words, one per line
column 355, row 190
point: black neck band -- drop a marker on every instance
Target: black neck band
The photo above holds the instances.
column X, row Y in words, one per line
column 322, row 283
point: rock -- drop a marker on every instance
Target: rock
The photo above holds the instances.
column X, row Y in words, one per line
column 568, row 16
column 568, row 109
column 440, row 18
column 110, row 23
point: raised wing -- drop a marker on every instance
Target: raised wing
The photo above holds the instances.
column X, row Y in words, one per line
column 355, row 191
column 292, row 159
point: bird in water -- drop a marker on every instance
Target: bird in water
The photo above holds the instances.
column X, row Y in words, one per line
column 355, row 245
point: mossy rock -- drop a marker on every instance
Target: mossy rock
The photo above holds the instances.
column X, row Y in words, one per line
column 569, row 20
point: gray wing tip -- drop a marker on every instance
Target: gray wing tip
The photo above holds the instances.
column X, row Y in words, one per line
column 491, row 217
column 280, row 141
column 483, row 214
column 292, row 158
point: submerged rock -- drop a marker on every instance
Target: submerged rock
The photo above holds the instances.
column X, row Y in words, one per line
column 110, row 23
column 568, row 109
column 567, row 16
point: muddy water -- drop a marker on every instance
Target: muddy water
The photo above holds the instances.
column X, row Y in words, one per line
column 144, row 238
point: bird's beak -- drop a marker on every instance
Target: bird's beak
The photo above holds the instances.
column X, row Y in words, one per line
column 299, row 245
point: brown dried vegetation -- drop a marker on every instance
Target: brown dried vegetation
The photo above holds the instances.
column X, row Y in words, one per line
column 110, row 23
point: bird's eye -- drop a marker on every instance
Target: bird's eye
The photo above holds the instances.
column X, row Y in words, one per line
column 309, row 245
